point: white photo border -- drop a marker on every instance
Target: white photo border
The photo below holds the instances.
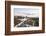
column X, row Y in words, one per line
column 27, row 28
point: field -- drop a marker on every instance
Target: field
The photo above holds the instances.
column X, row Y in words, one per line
column 20, row 21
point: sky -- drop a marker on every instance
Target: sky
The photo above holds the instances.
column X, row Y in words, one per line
column 27, row 11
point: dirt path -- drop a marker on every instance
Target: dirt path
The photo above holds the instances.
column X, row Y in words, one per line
column 22, row 21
